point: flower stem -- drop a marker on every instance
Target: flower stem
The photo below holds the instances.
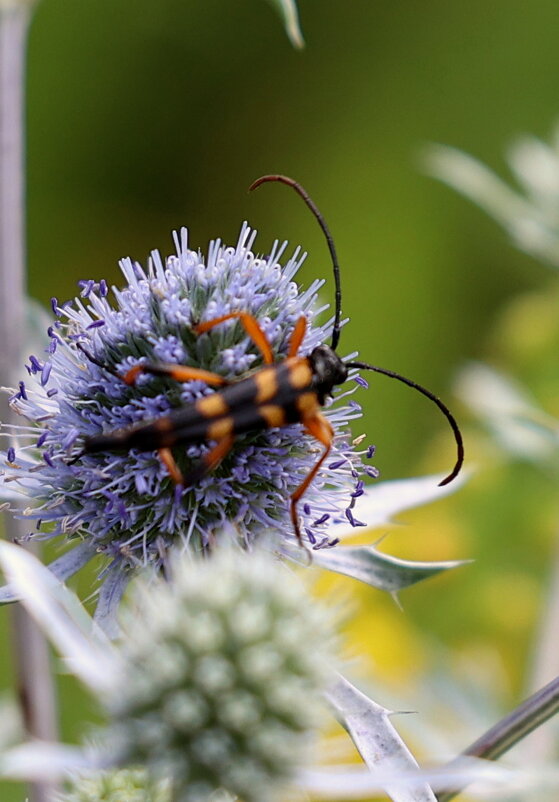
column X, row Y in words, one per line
column 31, row 654
column 14, row 23
column 545, row 660
column 539, row 707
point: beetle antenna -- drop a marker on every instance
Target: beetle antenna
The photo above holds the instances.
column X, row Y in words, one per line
column 284, row 179
column 444, row 409
column 96, row 361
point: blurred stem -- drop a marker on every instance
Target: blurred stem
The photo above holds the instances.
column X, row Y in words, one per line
column 545, row 663
column 14, row 23
column 545, row 659
column 35, row 686
column 538, row 708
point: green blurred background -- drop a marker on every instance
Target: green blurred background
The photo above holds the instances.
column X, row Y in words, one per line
column 145, row 116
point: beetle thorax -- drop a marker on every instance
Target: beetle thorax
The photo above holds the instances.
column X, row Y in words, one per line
column 328, row 370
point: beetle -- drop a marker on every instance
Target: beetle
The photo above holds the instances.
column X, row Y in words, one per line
column 292, row 390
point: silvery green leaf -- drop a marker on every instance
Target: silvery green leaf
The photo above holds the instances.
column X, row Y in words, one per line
column 110, row 594
column 509, row 412
column 473, row 179
column 379, row 570
column 11, row 724
column 491, row 780
column 63, row 568
column 530, row 219
column 536, row 166
column 290, row 16
column 378, row 742
column 43, row 761
column 383, row 500
column 451, row 710
column 8, row 595
column 61, row 616
column 70, row 563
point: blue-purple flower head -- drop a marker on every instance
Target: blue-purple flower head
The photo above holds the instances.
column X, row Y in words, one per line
column 124, row 504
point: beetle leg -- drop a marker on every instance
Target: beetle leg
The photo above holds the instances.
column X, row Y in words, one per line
column 297, row 336
column 179, row 373
column 206, row 464
column 250, row 325
column 166, row 457
column 210, row 461
column 320, row 428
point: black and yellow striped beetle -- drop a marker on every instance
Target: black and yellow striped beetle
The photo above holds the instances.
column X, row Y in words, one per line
column 292, row 390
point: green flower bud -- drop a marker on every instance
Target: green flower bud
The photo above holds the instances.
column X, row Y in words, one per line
column 224, row 671
column 126, row 785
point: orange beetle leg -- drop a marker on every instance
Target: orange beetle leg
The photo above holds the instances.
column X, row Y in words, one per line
column 297, row 336
column 320, row 428
column 166, row 457
column 250, row 325
column 179, row 373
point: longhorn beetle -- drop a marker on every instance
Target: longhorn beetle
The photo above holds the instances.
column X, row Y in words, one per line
column 282, row 392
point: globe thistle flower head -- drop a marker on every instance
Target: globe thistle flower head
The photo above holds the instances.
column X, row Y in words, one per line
column 222, row 679
column 123, row 785
column 124, row 504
